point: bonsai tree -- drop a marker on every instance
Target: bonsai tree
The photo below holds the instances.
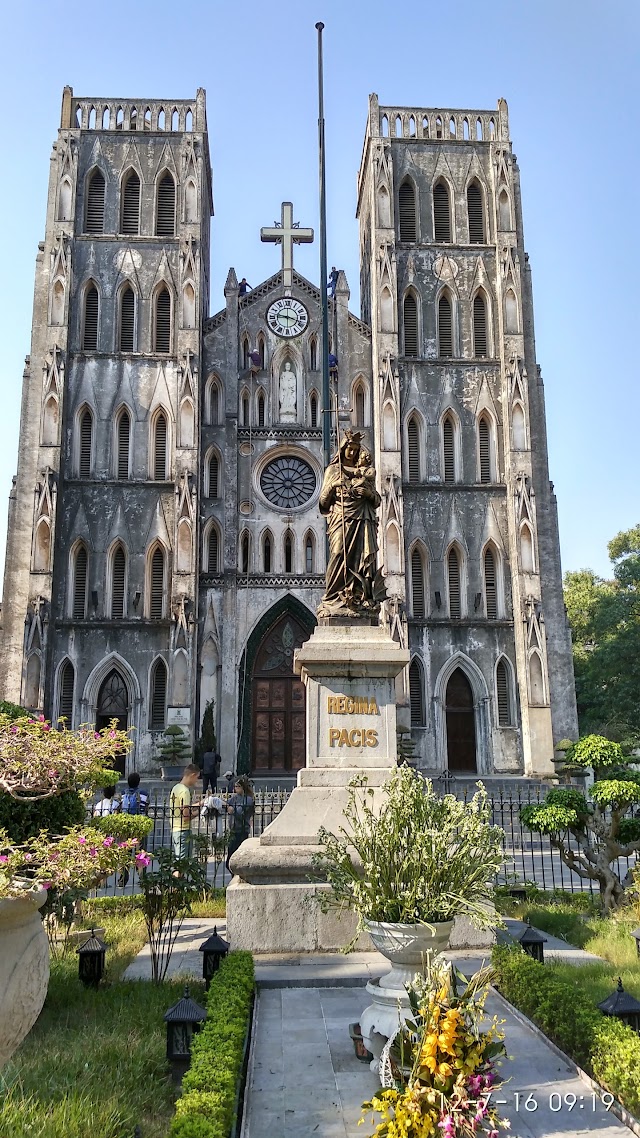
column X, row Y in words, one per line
column 600, row 822
column 175, row 750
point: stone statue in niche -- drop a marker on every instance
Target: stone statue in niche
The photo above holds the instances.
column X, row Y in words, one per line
column 288, row 394
column 354, row 584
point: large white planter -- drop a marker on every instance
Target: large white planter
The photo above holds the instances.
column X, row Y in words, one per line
column 24, row 967
column 406, row 947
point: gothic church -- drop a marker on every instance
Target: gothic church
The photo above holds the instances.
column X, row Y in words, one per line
column 165, row 545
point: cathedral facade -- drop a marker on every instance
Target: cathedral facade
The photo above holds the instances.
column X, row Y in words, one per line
column 165, row 546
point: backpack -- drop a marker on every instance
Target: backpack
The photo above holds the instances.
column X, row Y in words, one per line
column 131, row 802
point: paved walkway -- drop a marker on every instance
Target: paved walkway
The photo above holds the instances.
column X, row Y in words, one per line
column 186, row 960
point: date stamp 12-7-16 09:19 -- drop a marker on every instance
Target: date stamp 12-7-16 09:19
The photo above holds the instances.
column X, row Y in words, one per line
column 528, row 1101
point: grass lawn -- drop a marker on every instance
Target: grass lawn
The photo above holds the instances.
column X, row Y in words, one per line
column 94, row 1064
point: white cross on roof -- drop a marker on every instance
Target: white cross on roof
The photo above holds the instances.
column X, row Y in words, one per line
column 287, row 233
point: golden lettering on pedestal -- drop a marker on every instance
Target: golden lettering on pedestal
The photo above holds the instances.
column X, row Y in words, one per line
column 352, row 705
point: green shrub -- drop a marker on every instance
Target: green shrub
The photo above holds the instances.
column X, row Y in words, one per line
column 603, row 1046
column 13, row 710
column 206, row 1106
column 123, row 826
column 23, row 820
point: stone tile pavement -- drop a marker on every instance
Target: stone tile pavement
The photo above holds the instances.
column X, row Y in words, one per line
column 186, row 960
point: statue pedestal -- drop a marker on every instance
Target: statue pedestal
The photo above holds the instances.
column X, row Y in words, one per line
column 349, row 671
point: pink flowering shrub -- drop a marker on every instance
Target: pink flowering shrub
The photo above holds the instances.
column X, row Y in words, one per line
column 78, row 860
column 38, row 761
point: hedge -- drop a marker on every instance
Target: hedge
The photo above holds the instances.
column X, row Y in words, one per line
column 206, row 1106
column 23, row 820
column 602, row 1045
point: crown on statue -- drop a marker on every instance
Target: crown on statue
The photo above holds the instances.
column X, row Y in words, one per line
column 351, row 436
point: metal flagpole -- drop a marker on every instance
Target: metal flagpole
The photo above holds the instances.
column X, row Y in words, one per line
column 326, row 396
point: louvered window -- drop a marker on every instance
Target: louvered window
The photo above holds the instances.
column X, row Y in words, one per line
column 160, row 448
column 416, row 694
column 308, row 555
column 131, row 205
column 479, row 326
column 441, row 213
column 214, row 475
column 157, row 715
column 314, row 411
column 65, row 699
column 212, row 551
column 490, row 585
column 163, row 321
column 156, row 606
column 410, row 311
column 455, row 599
column 117, row 584
column 407, row 202
column 445, row 327
column 484, row 442
column 288, row 553
column 502, row 689
column 86, row 434
column 127, row 320
column 474, row 211
column 359, row 407
column 448, row 450
column 124, row 433
column 80, row 568
column 94, row 222
column 417, row 583
column 413, row 447
column 166, row 207
column 266, row 559
column 261, row 410
column 90, row 334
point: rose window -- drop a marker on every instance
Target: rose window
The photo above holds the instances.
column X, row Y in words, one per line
column 288, row 482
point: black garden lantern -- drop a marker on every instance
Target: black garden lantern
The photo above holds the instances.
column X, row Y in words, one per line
column 213, row 950
column 183, row 1021
column 532, row 942
column 91, row 960
column 636, row 935
column 518, row 892
column 622, row 1005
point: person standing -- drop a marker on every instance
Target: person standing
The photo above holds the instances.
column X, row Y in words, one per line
column 211, row 761
column 107, row 804
column 241, row 807
column 135, row 800
column 182, row 809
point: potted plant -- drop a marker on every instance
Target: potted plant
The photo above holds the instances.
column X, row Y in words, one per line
column 175, row 752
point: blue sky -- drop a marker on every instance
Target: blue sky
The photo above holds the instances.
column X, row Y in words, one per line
column 568, row 69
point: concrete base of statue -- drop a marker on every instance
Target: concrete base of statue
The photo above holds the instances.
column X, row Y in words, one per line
column 349, row 670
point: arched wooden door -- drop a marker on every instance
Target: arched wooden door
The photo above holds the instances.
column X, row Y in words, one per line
column 113, row 703
column 461, row 725
column 278, row 731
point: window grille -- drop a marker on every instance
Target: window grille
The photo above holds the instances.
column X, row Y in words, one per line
column 124, row 430
column 410, row 325
column 160, row 449
column 261, row 410
column 484, row 440
column 214, row 475
column 266, row 554
column 166, row 207
column 163, row 321
column 127, row 320
column 417, row 583
column 407, row 202
column 90, row 335
column 445, row 327
column 479, row 326
column 308, row 555
column 474, row 212
column 413, row 447
column 65, row 699
column 94, row 221
column 288, row 553
column 455, row 599
column 314, row 411
column 416, row 694
column 117, row 584
column 156, row 607
column 212, row 551
column 79, row 610
column 86, row 435
column 490, row 585
column 131, row 205
column 449, row 452
column 502, row 688
column 441, row 213
column 158, row 696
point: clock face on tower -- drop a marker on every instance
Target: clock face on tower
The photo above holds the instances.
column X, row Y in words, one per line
column 287, row 317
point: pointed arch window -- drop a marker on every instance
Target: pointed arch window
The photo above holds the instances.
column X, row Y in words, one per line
column 288, row 552
column 445, row 326
column 308, row 554
column 50, row 419
column 213, row 551
column 490, row 584
column 94, row 216
column 245, row 352
column 214, row 404
column 313, row 409
column 64, row 200
column 449, row 449
column 244, row 409
column 127, row 319
column 313, row 353
column 266, row 553
column 85, row 440
column 536, row 680
column 504, row 210
column 214, row 476
column 123, row 445
column 261, row 409
column 191, row 201
column 475, row 214
column 417, row 583
column 480, row 339
column 484, row 449
column 455, row 584
column 160, row 448
column 166, row 206
column 118, row 577
column 416, row 693
column 42, row 550
column 65, row 693
column 410, row 324
column 244, row 553
column 512, row 322
column 80, row 582
column 156, row 584
column 261, row 351
column 90, row 331
column 130, row 217
column 162, row 339
column 503, row 694
column 526, row 550
column 518, row 428
column 359, row 404
column 413, row 448
column 407, row 210
column 32, row 678
column 158, row 696
column 386, row 310
column 441, row 212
